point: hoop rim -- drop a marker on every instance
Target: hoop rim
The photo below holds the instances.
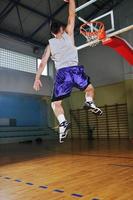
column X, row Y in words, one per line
column 100, row 33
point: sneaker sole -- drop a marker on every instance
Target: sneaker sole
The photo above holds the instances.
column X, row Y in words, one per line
column 99, row 113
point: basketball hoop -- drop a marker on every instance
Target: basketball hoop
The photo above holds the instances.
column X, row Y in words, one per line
column 93, row 31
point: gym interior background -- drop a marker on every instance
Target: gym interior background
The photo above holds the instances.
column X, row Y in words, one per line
column 26, row 116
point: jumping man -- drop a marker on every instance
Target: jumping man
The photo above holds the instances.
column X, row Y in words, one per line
column 69, row 74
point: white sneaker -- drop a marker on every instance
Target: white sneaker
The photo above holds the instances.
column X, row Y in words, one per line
column 93, row 108
column 63, row 130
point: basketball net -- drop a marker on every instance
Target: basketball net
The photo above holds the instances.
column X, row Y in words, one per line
column 94, row 32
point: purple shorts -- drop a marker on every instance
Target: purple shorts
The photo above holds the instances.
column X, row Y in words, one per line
column 66, row 79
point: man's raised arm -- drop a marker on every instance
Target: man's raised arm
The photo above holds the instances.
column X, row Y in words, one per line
column 45, row 57
column 71, row 18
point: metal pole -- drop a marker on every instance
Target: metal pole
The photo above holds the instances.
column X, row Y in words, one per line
column 85, row 5
column 123, row 30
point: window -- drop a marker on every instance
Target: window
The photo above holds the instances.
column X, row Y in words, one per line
column 45, row 72
column 17, row 61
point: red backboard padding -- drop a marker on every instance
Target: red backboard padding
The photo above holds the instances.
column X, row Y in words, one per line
column 121, row 46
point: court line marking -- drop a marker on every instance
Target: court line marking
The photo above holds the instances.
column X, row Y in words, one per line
column 76, row 195
column 17, row 180
column 122, row 165
column 8, row 178
column 95, row 199
column 42, row 187
column 58, row 190
column 29, row 183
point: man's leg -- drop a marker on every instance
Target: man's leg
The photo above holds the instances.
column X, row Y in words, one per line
column 58, row 110
column 89, row 93
column 59, row 113
column 89, row 104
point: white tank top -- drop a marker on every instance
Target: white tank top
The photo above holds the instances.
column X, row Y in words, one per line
column 64, row 53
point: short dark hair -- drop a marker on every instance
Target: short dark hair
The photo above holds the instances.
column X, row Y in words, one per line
column 55, row 27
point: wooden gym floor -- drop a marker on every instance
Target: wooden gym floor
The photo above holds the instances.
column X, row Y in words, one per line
column 74, row 170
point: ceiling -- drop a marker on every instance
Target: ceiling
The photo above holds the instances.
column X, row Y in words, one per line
column 29, row 21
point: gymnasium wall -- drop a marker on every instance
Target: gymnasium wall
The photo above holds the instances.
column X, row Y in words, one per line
column 104, row 95
column 27, row 110
column 18, row 46
column 32, row 118
column 117, row 93
column 19, row 101
column 22, row 82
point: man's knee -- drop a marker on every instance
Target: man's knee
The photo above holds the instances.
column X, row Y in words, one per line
column 56, row 104
column 90, row 87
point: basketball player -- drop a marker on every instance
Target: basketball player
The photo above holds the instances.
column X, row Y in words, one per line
column 69, row 74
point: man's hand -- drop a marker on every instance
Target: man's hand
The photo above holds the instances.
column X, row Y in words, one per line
column 37, row 84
